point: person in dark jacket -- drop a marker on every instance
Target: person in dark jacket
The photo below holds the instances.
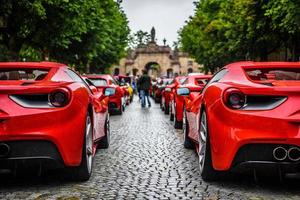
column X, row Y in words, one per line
column 144, row 85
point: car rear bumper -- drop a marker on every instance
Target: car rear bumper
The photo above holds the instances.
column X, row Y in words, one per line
column 260, row 156
column 30, row 153
column 232, row 131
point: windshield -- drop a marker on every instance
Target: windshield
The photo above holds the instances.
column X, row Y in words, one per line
column 99, row 82
column 200, row 81
column 14, row 74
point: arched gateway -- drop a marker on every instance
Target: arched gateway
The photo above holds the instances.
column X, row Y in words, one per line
column 158, row 60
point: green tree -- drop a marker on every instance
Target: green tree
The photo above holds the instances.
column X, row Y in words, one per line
column 139, row 39
column 80, row 32
column 223, row 31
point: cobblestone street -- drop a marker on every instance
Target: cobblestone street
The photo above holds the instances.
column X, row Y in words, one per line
column 146, row 160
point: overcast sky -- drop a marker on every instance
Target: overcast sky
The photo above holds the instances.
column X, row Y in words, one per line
column 167, row 16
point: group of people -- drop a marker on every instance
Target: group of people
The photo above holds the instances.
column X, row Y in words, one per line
column 143, row 87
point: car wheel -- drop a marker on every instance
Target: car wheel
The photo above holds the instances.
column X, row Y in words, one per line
column 84, row 170
column 205, row 162
column 187, row 142
column 177, row 124
column 167, row 111
column 104, row 143
column 171, row 112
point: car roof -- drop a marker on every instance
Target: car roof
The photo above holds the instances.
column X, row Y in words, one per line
column 103, row 76
column 200, row 76
column 252, row 64
column 32, row 64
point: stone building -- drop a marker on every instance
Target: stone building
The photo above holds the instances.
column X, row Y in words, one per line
column 158, row 60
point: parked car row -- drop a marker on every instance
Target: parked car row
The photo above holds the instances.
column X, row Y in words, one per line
column 246, row 117
column 51, row 117
column 120, row 93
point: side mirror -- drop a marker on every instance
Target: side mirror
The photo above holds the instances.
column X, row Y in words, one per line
column 168, row 89
column 109, row 92
column 183, row 91
column 93, row 88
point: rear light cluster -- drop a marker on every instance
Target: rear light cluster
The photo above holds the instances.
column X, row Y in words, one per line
column 57, row 98
column 235, row 99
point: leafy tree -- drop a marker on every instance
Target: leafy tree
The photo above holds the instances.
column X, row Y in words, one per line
column 139, row 39
column 223, row 31
column 81, row 32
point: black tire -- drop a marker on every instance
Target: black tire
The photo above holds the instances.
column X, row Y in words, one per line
column 120, row 111
column 82, row 172
column 171, row 113
column 208, row 173
column 166, row 110
column 187, row 142
column 177, row 124
column 104, row 142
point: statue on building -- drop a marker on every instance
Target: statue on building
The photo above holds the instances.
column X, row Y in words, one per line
column 153, row 35
column 165, row 41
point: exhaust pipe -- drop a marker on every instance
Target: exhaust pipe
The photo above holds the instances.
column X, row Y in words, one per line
column 4, row 150
column 280, row 153
column 294, row 154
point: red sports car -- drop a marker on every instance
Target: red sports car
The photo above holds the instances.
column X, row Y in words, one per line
column 125, row 83
column 195, row 83
column 246, row 116
column 159, row 87
column 167, row 94
column 117, row 102
column 50, row 118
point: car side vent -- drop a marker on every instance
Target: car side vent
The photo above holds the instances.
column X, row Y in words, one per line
column 32, row 101
column 260, row 102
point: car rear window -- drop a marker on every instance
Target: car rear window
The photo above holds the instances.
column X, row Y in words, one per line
column 200, row 81
column 277, row 74
column 99, row 82
column 14, row 74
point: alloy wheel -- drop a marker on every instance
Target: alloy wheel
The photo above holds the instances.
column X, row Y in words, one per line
column 89, row 144
column 202, row 140
column 184, row 125
column 108, row 128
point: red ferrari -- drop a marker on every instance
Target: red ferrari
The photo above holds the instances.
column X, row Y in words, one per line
column 50, row 118
column 195, row 83
column 125, row 82
column 158, row 89
column 117, row 102
column 247, row 116
column 167, row 94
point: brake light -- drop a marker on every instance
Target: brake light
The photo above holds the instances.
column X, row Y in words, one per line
column 234, row 98
column 59, row 98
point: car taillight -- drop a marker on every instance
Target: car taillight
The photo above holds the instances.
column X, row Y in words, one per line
column 59, row 98
column 234, row 98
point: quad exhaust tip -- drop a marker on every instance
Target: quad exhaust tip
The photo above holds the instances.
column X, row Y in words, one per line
column 294, row 154
column 281, row 153
column 4, row 150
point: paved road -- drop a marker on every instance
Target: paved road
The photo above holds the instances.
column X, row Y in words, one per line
column 146, row 160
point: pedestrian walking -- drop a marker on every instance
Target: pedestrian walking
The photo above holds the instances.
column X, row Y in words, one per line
column 144, row 84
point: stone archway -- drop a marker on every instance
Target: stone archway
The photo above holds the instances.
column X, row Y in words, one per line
column 170, row 61
column 170, row 73
column 190, row 70
column 153, row 69
column 135, row 71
